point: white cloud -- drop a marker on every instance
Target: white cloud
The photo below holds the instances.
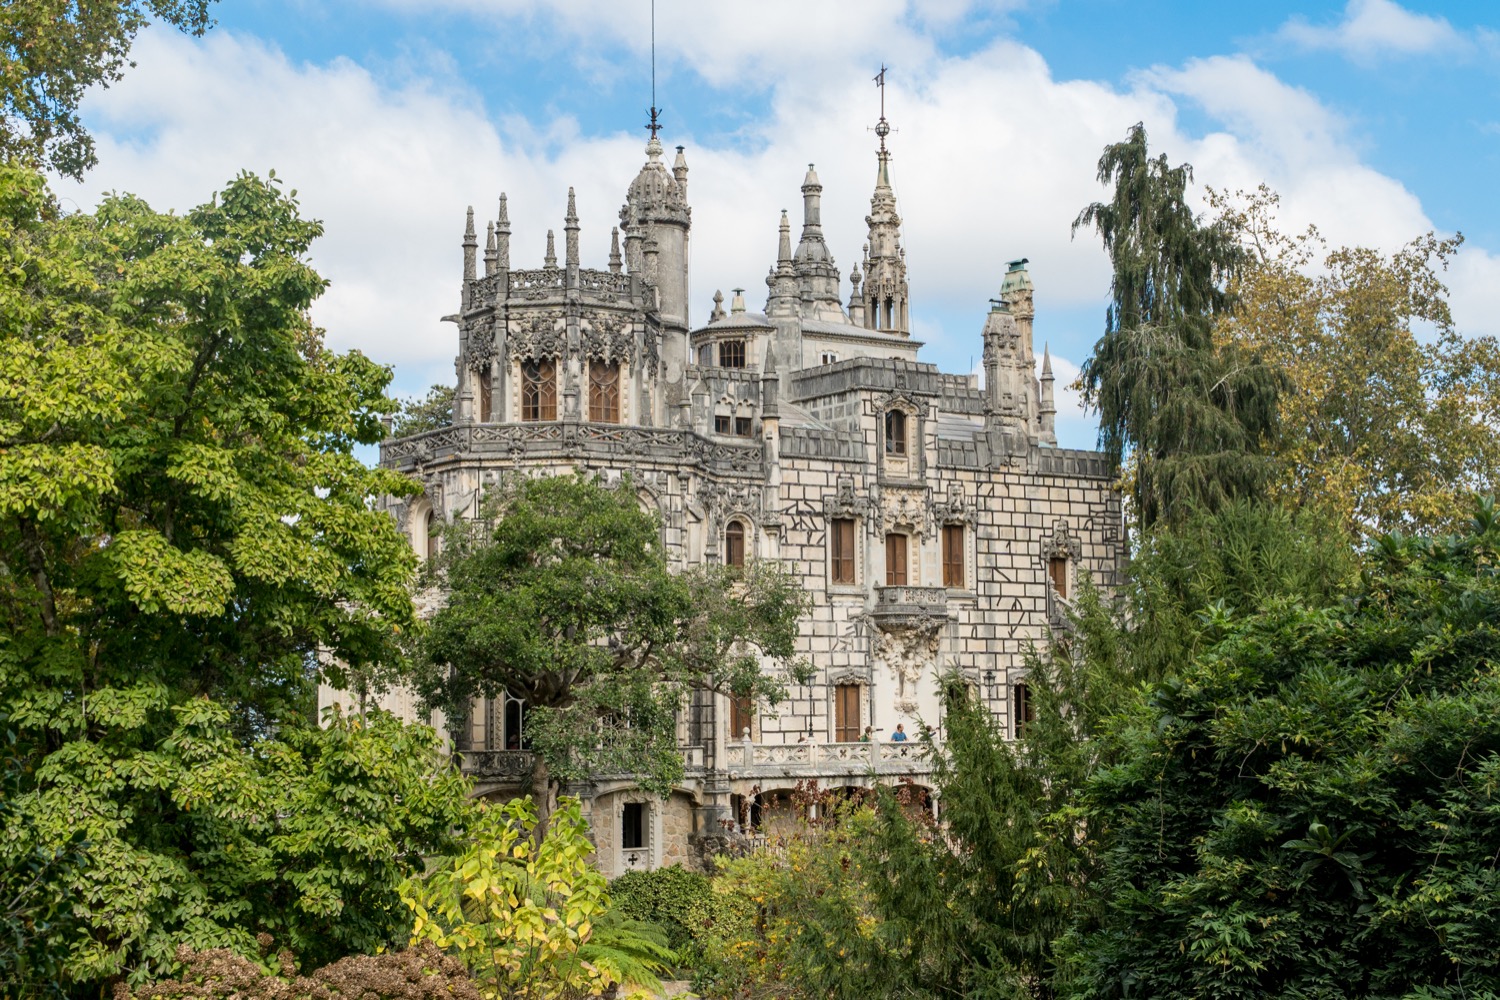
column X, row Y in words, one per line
column 1371, row 29
column 993, row 160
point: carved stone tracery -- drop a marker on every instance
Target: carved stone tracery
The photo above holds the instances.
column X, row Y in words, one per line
column 482, row 349
column 1062, row 543
column 955, row 508
column 608, row 338
column 537, row 338
column 909, row 652
column 905, row 509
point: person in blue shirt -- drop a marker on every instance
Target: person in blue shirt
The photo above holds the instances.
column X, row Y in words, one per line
column 899, row 736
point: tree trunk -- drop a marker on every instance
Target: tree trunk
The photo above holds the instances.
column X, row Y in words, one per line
column 543, row 794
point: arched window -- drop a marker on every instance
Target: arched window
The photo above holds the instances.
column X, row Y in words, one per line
column 734, row 544
column 604, row 392
column 895, row 432
column 539, row 390
column 432, row 538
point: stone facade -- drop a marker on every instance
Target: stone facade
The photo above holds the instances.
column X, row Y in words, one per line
column 932, row 520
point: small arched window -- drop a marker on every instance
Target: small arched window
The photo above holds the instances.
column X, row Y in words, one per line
column 895, row 432
column 734, row 544
column 604, row 392
column 539, row 390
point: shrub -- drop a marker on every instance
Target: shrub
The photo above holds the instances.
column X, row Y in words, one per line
column 679, row 901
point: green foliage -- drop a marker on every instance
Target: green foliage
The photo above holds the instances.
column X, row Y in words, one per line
column 1309, row 808
column 191, row 839
column 184, row 533
column 418, row 415
column 52, row 51
column 422, row 973
column 677, row 900
column 524, row 910
column 561, row 594
column 1191, row 414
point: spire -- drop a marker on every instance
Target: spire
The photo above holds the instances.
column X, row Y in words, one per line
column 680, row 172
column 614, row 250
column 718, row 310
column 886, row 304
column 502, row 236
column 570, row 231
column 1047, row 411
column 856, row 302
column 551, row 259
column 784, row 247
column 489, row 249
column 470, row 244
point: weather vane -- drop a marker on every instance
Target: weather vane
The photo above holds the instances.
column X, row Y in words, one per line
column 654, row 125
column 882, row 127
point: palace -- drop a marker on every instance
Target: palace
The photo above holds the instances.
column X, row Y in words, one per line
column 932, row 519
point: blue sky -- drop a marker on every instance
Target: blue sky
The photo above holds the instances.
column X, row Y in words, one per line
column 1375, row 120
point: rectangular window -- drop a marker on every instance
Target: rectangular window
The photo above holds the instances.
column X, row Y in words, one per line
column 739, row 716
column 1022, row 707
column 841, row 549
column 1057, row 572
column 953, row 555
column 829, row 359
column 721, row 424
column 895, row 560
column 846, row 713
column 604, row 392
column 732, row 354
column 742, row 426
column 515, row 725
column 895, row 433
column 538, row 390
column 633, row 826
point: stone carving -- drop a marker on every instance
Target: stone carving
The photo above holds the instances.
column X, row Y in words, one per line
column 1062, row 544
column 905, row 509
column 955, row 508
column 901, row 399
column 482, row 349
column 608, row 338
column 844, row 502
column 909, row 653
column 537, row 337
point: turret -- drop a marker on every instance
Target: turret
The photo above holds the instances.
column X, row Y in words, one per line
column 886, row 297
column 817, row 275
column 471, row 244
column 782, row 281
column 614, row 250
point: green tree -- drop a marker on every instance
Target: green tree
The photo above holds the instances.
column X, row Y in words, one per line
column 185, row 543
column 52, row 52
column 1190, row 415
column 1381, row 427
column 529, row 914
column 429, row 413
column 1309, row 808
column 560, row 593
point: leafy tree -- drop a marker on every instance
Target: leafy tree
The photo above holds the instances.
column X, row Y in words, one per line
column 418, row 415
column 1389, row 422
column 52, row 51
column 184, row 531
column 1309, row 808
column 1190, row 414
column 530, row 915
column 560, row 594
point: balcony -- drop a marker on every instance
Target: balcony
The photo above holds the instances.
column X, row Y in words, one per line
column 502, row 765
column 827, row 760
column 902, row 604
column 1059, row 613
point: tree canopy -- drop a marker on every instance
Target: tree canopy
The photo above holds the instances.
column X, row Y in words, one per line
column 52, row 52
column 560, row 594
column 186, row 542
column 1388, row 421
column 1190, row 415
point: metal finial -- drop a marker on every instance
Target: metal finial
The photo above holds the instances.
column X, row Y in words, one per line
column 882, row 127
column 654, row 125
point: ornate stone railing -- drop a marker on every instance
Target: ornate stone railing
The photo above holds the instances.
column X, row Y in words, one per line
column 515, row 764
column 604, row 284
column 571, row 436
column 849, row 757
column 536, row 284
column 692, row 757
column 901, row 601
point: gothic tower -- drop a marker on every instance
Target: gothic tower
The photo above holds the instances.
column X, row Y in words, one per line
column 885, row 291
column 656, row 220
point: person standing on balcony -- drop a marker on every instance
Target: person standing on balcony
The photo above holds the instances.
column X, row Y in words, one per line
column 867, row 735
column 899, row 736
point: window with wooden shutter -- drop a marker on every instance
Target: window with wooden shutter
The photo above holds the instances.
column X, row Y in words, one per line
column 1022, row 708
column 846, row 713
column 1057, row 572
column 953, row 556
column 739, row 716
column 895, row 560
column 539, row 390
column 734, row 544
column 604, row 392
column 841, row 543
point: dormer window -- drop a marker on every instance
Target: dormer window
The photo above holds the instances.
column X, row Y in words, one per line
column 895, row 432
column 538, row 390
column 732, row 354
